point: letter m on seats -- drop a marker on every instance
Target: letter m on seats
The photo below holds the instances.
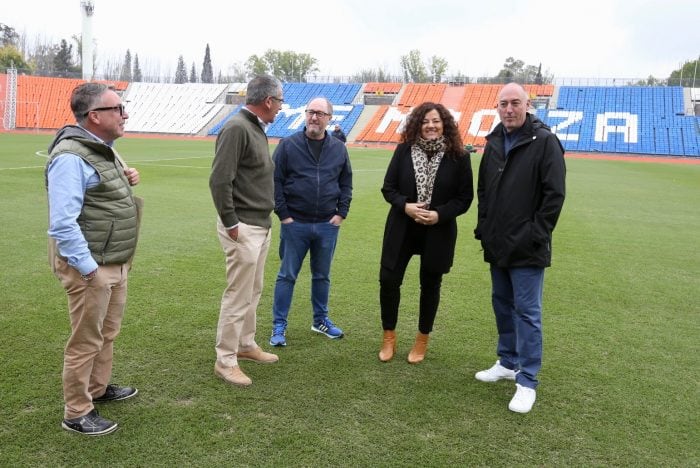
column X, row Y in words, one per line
column 629, row 130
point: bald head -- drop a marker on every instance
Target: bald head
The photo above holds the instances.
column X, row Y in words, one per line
column 513, row 102
column 318, row 114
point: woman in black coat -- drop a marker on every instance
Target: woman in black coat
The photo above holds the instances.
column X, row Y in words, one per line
column 428, row 184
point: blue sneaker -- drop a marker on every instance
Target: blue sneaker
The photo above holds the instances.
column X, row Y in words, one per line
column 277, row 338
column 327, row 328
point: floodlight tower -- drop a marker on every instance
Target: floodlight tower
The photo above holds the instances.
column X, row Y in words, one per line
column 87, row 8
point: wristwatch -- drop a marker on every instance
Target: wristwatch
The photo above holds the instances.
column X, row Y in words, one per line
column 90, row 275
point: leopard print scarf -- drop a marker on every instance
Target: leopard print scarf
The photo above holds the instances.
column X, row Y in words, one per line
column 426, row 156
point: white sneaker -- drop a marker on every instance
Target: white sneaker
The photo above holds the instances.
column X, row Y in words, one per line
column 523, row 399
column 495, row 373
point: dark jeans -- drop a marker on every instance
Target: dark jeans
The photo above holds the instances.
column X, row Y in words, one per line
column 517, row 303
column 390, row 294
column 296, row 240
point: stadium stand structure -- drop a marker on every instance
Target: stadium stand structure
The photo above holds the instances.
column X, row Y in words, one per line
column 618, row 119
column 296, row 95
column 172, row 108
column 43, row 102
column 626, row 119
column 472, row 105
column 382, row 88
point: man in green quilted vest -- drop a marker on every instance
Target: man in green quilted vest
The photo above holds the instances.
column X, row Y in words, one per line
column 93, row 228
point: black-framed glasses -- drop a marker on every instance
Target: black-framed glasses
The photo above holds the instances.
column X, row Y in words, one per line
column 319, row 114
column 119, row 108
column 280, row 100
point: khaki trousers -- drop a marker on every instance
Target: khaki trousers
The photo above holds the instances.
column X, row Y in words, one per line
column 245, row 267
column 96, row 309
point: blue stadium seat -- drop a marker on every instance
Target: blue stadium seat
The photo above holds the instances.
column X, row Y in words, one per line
column 625, row 119
column 297, row 95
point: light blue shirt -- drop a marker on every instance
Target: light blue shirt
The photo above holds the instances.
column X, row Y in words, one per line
column 69, row 177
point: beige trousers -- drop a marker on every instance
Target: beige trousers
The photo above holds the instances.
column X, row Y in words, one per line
column 96, row 309
column 245, row 267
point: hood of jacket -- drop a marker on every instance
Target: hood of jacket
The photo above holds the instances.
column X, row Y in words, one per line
column 70, row 132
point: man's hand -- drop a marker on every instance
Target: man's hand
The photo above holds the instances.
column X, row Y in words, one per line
column 233, row 233
column 132, row 175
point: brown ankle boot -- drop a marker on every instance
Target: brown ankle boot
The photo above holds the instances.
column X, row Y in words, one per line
column 419, row 348
column 388, row 346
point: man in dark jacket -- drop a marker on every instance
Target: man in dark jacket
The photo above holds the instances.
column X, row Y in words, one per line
column 313, row 189
column 339, row 134
column 521, row 193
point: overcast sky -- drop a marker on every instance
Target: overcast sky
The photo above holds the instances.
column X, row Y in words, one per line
column 583, row 39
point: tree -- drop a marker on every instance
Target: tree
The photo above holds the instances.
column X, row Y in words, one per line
column 236, row 73
column 286, row 65
column 125, row 74
column 193, row 74
column 438, row 67
column 138, row 76
column 687, row 75
column 294, row 66
column 512, row 68
column 207, row 71
column 651, row 81
column 413, row 68
column 8, row 36
column 63, row 60
column 515, row 70
column 112, row 69
column 459, row 78
column 11, row 57
column 369, row 75
column 256, row 65
column 180, row 72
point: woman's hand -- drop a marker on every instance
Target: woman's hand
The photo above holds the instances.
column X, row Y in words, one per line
column 418, row 213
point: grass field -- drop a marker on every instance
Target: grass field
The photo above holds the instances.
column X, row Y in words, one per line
column 619, row 385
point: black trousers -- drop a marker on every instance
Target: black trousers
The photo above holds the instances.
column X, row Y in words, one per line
column 390, row 281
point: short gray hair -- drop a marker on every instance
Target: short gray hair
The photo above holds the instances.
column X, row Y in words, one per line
column 260, row 87
column 85, row 97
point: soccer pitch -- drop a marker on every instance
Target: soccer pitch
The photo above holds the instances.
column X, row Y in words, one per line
column 619, row 383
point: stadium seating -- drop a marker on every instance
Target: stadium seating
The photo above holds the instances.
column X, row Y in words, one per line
column 43, row 102
column 624, row 119
column 472, row 105
column 617, row 119
column 382, row 88
column 296, row 95
column 172, row 108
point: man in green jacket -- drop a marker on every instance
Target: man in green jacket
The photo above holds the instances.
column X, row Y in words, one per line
column 242, row 188
column 93, row 221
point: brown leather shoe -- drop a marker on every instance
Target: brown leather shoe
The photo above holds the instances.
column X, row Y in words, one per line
column 258, row 355
column 233, row 375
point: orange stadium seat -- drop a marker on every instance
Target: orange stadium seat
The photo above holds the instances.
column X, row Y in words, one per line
column 382, row 88
column 42, row 102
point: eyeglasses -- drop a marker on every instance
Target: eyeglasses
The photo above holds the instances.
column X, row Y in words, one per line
column 120, row 108
column 280, row 100
column 319, row 114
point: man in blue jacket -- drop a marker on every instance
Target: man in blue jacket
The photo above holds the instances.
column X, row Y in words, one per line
column 521, row 193
column 313, row 189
